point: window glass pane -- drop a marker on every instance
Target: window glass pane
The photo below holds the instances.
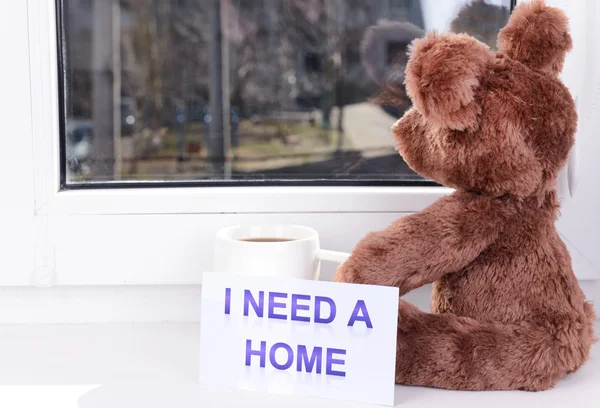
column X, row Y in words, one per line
column 244, row 89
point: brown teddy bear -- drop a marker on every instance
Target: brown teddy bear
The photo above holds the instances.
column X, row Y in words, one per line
column 508, row 313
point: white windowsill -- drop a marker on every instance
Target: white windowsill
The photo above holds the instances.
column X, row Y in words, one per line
column 155, row 365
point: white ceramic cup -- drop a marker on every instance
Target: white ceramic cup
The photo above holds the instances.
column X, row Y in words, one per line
column 300, row 257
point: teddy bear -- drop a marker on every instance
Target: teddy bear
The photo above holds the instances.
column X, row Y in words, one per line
column 507, row 310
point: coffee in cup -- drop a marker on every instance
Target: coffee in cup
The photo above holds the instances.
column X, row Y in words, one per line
column 267, row 239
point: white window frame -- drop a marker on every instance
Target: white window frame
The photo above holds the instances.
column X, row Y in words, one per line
column 164, row 200
column 220, row 205
column 164, row 235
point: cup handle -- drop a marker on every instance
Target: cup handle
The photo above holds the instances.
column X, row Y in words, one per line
column 332, row 256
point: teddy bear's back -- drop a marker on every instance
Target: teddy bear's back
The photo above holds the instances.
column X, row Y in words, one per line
column 525, row 275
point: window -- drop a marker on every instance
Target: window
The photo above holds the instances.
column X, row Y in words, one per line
column 89, row 229
column 238, row 92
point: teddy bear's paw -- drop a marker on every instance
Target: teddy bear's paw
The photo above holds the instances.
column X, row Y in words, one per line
column 348, row 274
column 409, row 316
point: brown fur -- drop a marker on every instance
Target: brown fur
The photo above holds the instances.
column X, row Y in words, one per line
column 508, row 313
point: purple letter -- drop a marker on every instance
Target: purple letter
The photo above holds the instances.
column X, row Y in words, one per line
column 227, row 300
column 273, row 304
column 261, row 353
column 296, row 307
column 331, row 361
column 360, row 306
column 315, row 358
column 290, row 357
column 318, row 318
column 249, row 299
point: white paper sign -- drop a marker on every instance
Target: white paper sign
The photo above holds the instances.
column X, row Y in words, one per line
column 299, row 337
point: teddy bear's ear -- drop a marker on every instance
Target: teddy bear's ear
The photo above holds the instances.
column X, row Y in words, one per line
column 442, row 76
column 537, row 36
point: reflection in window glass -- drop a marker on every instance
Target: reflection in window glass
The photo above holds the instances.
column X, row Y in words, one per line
column 245, row 89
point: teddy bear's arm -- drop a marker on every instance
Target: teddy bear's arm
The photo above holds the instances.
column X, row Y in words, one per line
column 423, row 247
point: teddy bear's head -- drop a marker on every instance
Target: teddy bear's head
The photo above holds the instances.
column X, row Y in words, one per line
column 491, row 123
